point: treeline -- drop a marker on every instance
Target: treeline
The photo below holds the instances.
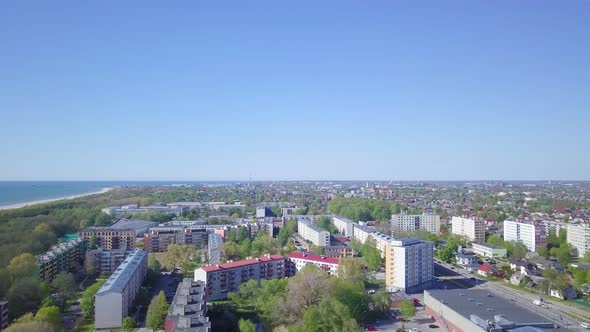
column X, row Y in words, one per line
column 239, row 245
column 363, row 209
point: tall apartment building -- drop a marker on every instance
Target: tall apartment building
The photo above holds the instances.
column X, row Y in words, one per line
column 404, row 223
column 105, row 261
column 578, row 236
column 158, row 238
column 224, row 278
column 3, row 314
column 108, row 238
column 62, row 257
column 313, row 233
column 299, row 260
column 474, row 230
column 214, row 248
column 188, row 309
column 345, row 226
column 114, row 299
column 530, row 234
column 409, row 265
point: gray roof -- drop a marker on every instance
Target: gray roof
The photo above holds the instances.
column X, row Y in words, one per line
column 120, row 278
column 132, row 223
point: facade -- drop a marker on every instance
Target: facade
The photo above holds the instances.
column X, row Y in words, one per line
column 381, row 241
column 404, row 223
column 475, row 310
column 158, row 238
column 409, row 265
column 214, row 248
column 488, row 250
column 313, row 233
column 263, row 212
column 298, row 260
column 114, row 299
column 108, row 238
column 361, row 232
column 578, row 236
column 474, row 230
column 530, row 234
column 224, row 278
column 3, row 314
column 188, row 309
column 345, row 226
column 105, row 261
column 339, row 251
column 62, row 257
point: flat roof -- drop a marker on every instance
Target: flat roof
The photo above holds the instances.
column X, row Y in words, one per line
column 487, row 245
column 132, row 223
column 120, row 278
column 245, row 262
column 314, row 258
column 485, row 305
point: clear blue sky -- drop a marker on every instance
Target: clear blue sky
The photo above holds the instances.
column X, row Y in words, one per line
column 440, row 90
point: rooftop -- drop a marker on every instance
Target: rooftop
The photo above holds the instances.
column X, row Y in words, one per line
column 487, row 245
column 314, row 258
column 120, row 278
column 312, row 225
column 132, row 223
column 245, row 262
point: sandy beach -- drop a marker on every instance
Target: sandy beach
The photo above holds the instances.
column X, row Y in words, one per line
column 20, row 205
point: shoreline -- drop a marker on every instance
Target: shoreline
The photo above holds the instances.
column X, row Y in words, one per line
column 49, row 200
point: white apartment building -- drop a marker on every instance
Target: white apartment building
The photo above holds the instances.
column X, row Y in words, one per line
column 409, row 265
column 361, row 232
column 381, row 241
column 404, row 223
column 299, row 260
column 313, row 233
column 224, row 278
column 578, row 236
column 115, row 297
column 345, row 226
column 531, row 235
column 474, row 230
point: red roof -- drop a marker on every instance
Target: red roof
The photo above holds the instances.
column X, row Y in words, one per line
column 486, row 267
column 245, row 262
column 314, row 258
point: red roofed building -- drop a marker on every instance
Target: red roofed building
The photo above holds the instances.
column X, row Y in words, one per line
column 488, row 270
column 224, row 278
column 299, row 260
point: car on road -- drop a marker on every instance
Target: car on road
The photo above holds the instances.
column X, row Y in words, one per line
column 433, row 326
column 370, row 328
column 585, row 325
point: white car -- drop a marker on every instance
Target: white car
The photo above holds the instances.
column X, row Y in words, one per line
column 585, row 325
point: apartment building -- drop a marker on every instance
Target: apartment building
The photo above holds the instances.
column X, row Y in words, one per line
column 114, row 299
column 530, row 234
column 158, row 238
column 63, row 257
column 409, row 265
column 345, row 226
column 188, row 309
column 578, row 236
column 105, row 261
column 3, row 314
column 139, row 226
column 405, row 223
column 313, row 233
column 488, row 250
column 381, row 241
column 214, row 248
column 341, row 251
column 361, row 232
column 224, row 278
column 299, row 260
column 474, row 230
column 108, row 238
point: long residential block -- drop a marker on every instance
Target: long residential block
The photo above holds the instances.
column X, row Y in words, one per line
column 313, row 233
column 62, row 257
column 108, row 238
column 188, row 309
column 405, row 223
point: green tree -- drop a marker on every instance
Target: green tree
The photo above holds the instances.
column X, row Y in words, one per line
column 586, row 257
column 156, row 312
column 23, row 296
column 27, row 323
column 543, row 252
column 128, row 324
column 380, row 301
column 92, row 243
column 562, row 254
column 447, row 253
column 65, row 285
column 87, row 301
column 371, row 254
column 179, row 255
column 23, row 265
column 51, row 315
column 325, row 223
column 351, row 269
column 246, row 325
column 154, row 268
column 407, row 308
column 329, row 315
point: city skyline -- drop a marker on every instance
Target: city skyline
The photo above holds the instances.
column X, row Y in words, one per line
column 266, row 91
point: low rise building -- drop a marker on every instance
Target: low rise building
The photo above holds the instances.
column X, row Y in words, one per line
column 62, row 257
column 405, row 223
column 298, row 260
column 108, row 238
column 466, row 259
column 472, row 229
column 114, row 299
column 188, row 309
column 309, row 231
column 578, row 236
column 409, row 265
column 341, row 251
column 221, row 279
column 489, row 250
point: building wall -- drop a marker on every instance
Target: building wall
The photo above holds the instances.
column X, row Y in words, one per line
column 3, row 314
column 343, row 225
column 299, row 264
column 446, row 317
column 409, row 265
column 485, row 251
column 474, row 230
column 403, row 223
column 108, row 311
column 531, row 235
column 313, row 233
column 578, row 236
column 108, row 238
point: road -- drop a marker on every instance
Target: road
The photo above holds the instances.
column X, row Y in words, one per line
column 554, row 311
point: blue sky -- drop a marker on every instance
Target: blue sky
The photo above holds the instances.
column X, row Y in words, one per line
column 391, row 90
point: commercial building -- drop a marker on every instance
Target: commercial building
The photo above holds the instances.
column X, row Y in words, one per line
column 405, row 223
column 158, row 238
column 3, row 314
column 105, row 261
column 488, row 250
column 108, row 238
column 298, row 260
column 309, row 231
column 578, row 236
column 473, row 310
column 530, row 234
column 214, row 248
column 114, row 299
column 188, row 309
column 345, row 226
column 139, row 226
column 63, row 257
column 409, row 265
column 224, row 278
column 474, row 230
